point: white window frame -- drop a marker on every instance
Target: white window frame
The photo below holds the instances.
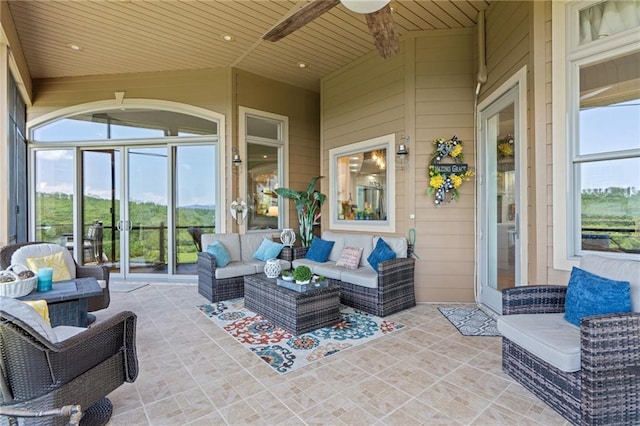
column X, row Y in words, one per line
column 389, row 225
column 567, row 57
column 282, row 144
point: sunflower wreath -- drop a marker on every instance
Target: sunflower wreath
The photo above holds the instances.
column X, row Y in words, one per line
column 445, row 179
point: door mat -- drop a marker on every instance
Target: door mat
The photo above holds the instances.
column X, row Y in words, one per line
column 285, row 352
column 471, row 321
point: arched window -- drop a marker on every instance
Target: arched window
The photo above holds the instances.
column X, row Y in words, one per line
column 150, row 176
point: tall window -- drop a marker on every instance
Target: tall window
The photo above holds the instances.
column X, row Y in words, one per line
column 604, row 102
column 264, row 135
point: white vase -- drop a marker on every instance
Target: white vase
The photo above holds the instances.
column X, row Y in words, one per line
column 288, row 237
column 272, row 268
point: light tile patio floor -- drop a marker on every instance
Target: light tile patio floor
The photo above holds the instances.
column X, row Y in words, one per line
column 192, row 372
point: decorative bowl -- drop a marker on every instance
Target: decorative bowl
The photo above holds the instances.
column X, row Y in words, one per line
column 17, row 288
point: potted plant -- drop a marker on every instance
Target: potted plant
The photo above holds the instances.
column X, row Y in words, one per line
column 287, row 275
column 302, row 274
column 308, row 204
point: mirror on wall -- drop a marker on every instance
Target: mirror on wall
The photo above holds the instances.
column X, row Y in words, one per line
column 362, row 178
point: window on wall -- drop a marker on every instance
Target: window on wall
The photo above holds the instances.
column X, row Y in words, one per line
column 363, row 185
column 604, row 156
column 263, row 151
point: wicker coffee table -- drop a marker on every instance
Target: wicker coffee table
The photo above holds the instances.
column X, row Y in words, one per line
column 295, row 312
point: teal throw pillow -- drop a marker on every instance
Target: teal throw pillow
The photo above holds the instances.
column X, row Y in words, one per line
column 380, row 253
column 319, row 250
column 219, row 251
column 589, row 294
column 268, row 250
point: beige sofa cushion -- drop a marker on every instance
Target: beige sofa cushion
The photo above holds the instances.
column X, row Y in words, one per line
column 249, row 243
column 616, row 269
column 230, row 241
column 342, row 240
column 548, row 336
column 235, row 269
column 399, row 245
column 365, row 277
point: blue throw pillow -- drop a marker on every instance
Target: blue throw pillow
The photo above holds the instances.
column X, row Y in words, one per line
column 380, row 253
column 319, row 250
column 218, row 250
column 268, row 250
column 589, row 294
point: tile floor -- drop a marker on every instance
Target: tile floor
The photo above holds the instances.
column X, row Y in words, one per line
column 192, row 372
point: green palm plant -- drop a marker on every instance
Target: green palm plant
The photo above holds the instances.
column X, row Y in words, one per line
column 308, row 204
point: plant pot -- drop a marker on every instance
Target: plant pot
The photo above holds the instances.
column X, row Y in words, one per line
column 303, row 282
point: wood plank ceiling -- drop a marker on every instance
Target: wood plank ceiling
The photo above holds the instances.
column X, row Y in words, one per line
column 125, row 36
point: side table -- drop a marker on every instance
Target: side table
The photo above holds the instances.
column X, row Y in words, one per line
column 68, row 300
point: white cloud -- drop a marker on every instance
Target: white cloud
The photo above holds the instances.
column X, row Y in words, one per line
column 55, row 155
column 44, row 187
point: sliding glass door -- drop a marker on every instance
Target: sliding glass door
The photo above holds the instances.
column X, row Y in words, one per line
column 137, row 236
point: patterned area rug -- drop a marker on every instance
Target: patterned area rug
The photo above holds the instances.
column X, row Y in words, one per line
column 471, row 321
column 285, row 352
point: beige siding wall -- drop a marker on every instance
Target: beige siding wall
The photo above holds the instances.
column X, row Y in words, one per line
column 425, row 92
column 302, row 107
column 206, row 88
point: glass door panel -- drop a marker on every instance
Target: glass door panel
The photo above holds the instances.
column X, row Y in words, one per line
column 54, row 182
column 195, row 198
column 500, row 238
column 262, row 179
column 146, row 223
column 101, row 208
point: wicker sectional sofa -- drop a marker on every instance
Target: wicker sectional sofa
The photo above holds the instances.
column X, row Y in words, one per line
column 381, row 293
column 223, row 283
column 589, row 374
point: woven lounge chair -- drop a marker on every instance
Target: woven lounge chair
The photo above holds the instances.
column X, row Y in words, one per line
column 99, row 272
column 38, row 374
column 606, row 388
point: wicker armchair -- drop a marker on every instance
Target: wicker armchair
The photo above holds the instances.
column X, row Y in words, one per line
column 606, row 390
column 99, row 272
column 38, row 375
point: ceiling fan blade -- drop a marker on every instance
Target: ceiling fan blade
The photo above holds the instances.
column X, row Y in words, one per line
column 383, row 30
column 299, row 19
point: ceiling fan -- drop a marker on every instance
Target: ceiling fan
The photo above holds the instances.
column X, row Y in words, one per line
column 377, row 13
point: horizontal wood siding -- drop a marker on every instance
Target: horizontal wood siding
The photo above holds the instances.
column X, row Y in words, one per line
column 371, row 98
column 205, row 88
column 507, row 32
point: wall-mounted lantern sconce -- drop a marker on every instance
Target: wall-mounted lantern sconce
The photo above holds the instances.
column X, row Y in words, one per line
column 237, row 162
column 403, row 153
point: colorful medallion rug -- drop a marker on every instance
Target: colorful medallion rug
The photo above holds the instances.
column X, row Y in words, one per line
column 471, row 321
column 286, row 352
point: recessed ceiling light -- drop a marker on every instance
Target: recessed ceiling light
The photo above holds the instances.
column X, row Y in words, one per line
column 74, row 47
column 228, row 37
column 302, row 65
